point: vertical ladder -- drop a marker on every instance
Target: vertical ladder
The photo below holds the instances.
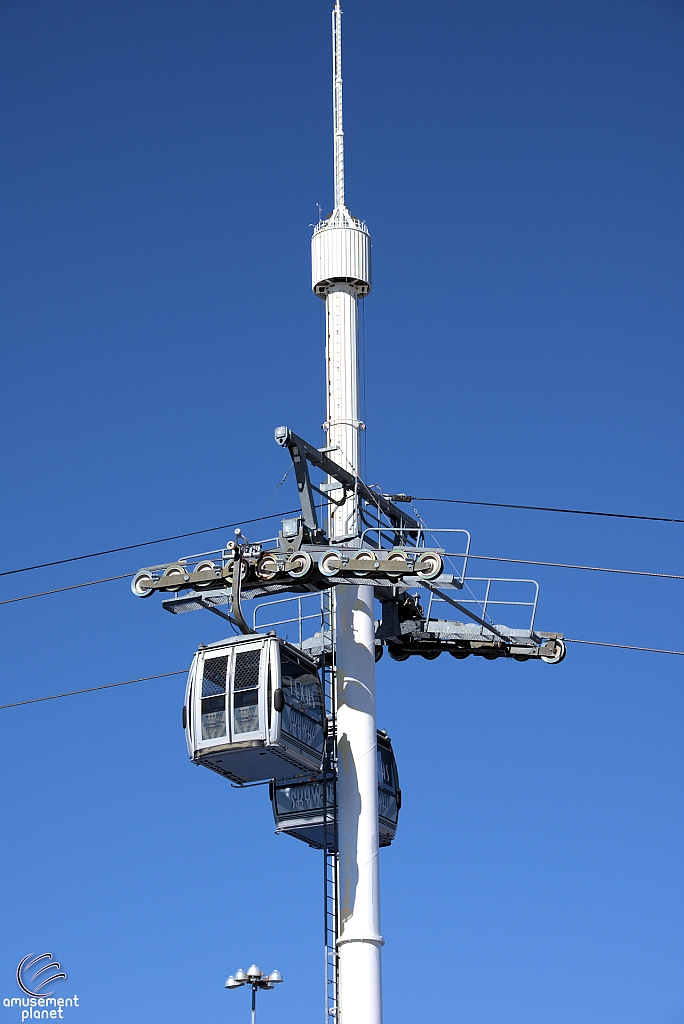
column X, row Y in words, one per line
column 331, row 937
column 330, row 875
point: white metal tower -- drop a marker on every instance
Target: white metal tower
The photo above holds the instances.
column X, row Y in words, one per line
column 279, row 732
column 341, row 274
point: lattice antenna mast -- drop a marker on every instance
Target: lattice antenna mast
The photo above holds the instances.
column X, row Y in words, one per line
column 338, row 130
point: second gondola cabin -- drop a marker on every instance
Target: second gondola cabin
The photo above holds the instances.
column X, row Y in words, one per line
column 300, row 806
column 254, row 710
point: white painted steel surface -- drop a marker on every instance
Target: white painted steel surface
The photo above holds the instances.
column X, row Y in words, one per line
column 360, row 941
column 341, row 254
column 343, row 425
column 341, row 271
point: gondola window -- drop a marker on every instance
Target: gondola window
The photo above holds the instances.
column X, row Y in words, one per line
column 387, row 785
column 214, row 698
column 246, row 692
column 302, row 716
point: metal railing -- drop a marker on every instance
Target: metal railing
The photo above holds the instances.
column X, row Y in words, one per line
column 297, row 619
column 487, row 602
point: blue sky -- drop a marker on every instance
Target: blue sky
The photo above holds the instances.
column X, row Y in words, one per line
column 519, row 167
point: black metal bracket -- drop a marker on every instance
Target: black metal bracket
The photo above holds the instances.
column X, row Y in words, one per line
column 303, row 453
column 303, row 479
column 327, row 497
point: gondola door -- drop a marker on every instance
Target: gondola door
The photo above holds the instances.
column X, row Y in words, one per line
column 246, row 702
column 229, row 702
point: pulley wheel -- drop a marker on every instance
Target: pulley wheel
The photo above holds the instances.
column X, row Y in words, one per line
column 490, row 655
column 228, row 571
column 379, row 651
column 521, row 657
column 395, row 555
column 300, row 564
column 365, row 556
column 267, row 566
column 398, row 653
column 139, row 584
column 173, row 577
column 324, row 564
column 460, row 654
column 430, row 655
column 558, row 654
column 205, row 567
column 429, row 566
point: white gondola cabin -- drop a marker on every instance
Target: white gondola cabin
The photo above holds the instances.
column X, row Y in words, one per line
column 254, row 710
column 300, row 806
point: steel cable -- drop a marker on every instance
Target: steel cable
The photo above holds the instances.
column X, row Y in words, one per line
column 91, row 689
column 536, row 508
column 485, row 558
column 622, row 647
column 147, row 543
column 61, row 590
column 568, row 565
column 182, row 671
column 395, row 497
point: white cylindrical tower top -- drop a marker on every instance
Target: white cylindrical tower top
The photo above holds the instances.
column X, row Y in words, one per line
column 341, row 253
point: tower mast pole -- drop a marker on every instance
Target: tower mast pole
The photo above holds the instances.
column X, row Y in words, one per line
column 341, row 275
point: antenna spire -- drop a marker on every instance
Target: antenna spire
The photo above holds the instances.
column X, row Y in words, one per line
column 338, row 133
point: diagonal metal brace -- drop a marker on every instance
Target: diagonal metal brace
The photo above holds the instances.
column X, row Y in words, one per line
column 461, row 608
column 210, row 608
column 302, row 452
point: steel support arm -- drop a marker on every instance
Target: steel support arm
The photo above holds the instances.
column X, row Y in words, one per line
column 302, row 452
column 304, row 486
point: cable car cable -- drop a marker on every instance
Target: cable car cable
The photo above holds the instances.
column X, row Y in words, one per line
column 535, row 508
column 486, row 558
column 61, row 590
column 182, row 671
column 91, row 689
column 147, row 543
column 623, row 647
column 270, row 500
column 567, row 565
column 395, row 497
column 277, row 515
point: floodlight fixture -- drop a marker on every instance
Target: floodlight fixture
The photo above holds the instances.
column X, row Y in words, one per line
column 256, row 979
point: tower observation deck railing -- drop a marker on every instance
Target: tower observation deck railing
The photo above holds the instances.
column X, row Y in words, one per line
column 341, row 218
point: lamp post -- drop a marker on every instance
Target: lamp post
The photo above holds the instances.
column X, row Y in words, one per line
column 257, row 979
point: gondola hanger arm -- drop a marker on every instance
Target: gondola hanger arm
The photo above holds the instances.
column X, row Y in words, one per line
column 236, row 590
